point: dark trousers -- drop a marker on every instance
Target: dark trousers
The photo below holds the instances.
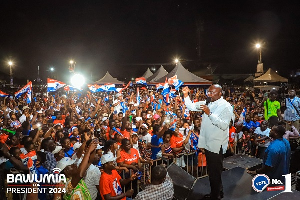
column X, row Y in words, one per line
column 215, row 168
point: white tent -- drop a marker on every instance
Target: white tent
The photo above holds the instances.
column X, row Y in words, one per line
column 161, row 72
column 184, row 75
column 270, row 76
column 107, row 78
column 147, row 74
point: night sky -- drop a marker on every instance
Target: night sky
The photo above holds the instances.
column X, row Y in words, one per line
column 126, row 36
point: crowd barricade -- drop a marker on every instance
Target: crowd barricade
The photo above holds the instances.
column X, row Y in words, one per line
column 197, row 170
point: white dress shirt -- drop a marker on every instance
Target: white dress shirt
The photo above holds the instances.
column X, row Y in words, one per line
column 214, row 131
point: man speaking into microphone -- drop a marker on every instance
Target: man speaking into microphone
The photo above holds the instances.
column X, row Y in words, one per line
column 214, row 134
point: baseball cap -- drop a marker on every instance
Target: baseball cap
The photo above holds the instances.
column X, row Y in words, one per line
column 57, row 149
column 107, row 158
column 66, row 161
column 145, row 125
column 118, row 95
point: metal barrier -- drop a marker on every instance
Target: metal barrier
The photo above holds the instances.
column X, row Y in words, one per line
column 187, row 159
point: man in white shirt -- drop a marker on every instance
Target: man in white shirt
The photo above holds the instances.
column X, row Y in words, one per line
column 217, row 113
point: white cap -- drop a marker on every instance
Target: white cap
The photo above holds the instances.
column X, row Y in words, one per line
column 104, row 118
column 107, row 158
column 118, row 95
column 77, row 145
column 66, row 161
column 99, row 146
column 57, row 149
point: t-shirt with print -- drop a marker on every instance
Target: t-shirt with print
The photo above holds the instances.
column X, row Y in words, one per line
column 110, row 184
column 127, row 158
column 176, row 142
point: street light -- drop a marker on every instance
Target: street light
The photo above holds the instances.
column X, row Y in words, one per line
column 176, row 60
column 72, row 66
column 77, row 81
column 52, row 69
column 10, row 63
column 258, row 47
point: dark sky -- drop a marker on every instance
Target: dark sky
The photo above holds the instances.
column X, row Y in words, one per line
column 117, row 35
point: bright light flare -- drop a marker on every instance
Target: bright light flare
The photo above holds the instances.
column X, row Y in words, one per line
column 77, row 81
column 176, row 60
column 10, row 63
column 257, row 46
column 51, row 69
column 71, row 62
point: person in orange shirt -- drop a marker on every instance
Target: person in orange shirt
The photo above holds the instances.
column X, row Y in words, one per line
column 130, row 157
column 110, row 184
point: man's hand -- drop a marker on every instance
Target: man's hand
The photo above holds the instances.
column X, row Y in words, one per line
column 205, row 109
column 185, row 91
column 129, row 193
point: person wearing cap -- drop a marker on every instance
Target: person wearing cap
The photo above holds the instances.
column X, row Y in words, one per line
column 58, row 153
column 110, row 182
column 76, row 187
column 145, row 142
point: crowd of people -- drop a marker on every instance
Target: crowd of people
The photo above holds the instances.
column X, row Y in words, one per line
column 106, row 144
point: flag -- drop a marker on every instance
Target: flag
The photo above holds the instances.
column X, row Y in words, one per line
column 166, row 88
column 124, row 107
column 106, row 98
column 53, row 85
column 93, row 88
column 26, row 89
column 175, row 82
column 141, row 80
column 159, row 86
column 108, row 87
column 172, row 93
column 70, row 88
column 124, row 88
column 3, row 94
column 167, row 99
column 138, row 98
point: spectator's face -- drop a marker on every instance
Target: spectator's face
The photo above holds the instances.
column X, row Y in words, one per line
column 292, row 94
column 17, row 153
column 128, row 125
column 247, row 118
column 109, row 165
column 66, row 144
column 71, row 170
column 14, row 141
column 60, row 155
column 264, row 125
column 135, row 139
column 117, row 124
column 127, row 146
column 167, row 138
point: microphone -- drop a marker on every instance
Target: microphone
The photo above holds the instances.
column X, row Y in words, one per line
column 208, row 100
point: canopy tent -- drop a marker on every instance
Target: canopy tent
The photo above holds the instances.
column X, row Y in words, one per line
column 270, row 76
column 184, row 75
column 249, row 79
column 107, row 78
column 158, row 74
column 147, row 74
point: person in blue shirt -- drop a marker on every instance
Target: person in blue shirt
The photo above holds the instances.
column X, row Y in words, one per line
column 249, row 124
column 276, row 162
column 66, row 144
column 157, row 140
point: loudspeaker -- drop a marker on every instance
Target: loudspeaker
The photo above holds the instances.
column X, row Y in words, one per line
column 182, row 181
